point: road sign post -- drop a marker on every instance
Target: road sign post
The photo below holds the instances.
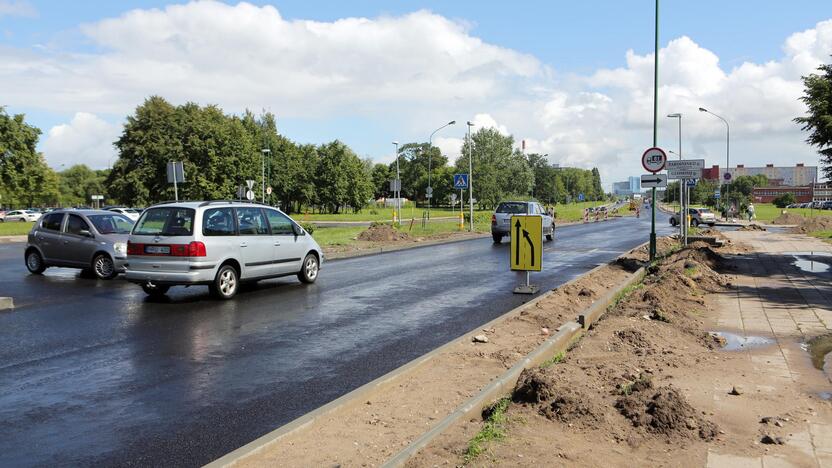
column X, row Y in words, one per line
column 176, row 175
column 526, row 251
column 654, row 159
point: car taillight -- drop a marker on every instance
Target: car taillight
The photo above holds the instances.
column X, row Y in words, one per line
column 133, row 248
column 493, row 219
column 196, row 249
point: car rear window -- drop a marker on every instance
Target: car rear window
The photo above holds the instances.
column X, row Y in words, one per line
column 53, row 221
column 165, row 222
column 512, row 208
column 111, row 224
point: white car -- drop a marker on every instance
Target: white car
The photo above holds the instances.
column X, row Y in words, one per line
column 23, row 216
column 129, row 212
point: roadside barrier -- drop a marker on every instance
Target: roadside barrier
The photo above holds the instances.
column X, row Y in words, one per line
column 461, row 221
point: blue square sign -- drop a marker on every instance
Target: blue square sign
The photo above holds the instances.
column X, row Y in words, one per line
column 460, row 181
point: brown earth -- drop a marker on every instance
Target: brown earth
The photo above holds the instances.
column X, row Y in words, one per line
column 817, row 223
column 788, row 218
column 379, row 232
column 752, row 227
column 640, row 388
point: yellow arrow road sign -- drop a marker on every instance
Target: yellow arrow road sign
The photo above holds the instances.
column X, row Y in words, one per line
column 526, row 243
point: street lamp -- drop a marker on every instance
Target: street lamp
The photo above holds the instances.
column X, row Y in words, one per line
column 430, row 145
column 398, row 186
column 727, row 150
column 681, row 182
column 265, row 151
column 470, row 178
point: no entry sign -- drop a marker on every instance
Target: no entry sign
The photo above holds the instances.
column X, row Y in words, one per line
column 654, row 160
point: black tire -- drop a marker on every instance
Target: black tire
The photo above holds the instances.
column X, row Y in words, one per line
column 497, row 238
column 550, row 237
column 155, row 290
column 711, row 224
column 226, row 283
column 22, row 220
column 695, row 223
column 103, row 267
column 673, row 222
column 309, row 269
column 34, row 262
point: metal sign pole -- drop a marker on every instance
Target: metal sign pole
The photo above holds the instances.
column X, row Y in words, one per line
column 175, row 188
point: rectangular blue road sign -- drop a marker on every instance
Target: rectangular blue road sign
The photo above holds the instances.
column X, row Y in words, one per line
column 460, row 181
column 717, row 195
column 580, row 197
column 692, row 182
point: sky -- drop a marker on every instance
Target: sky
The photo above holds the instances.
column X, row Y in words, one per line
column 572, row 79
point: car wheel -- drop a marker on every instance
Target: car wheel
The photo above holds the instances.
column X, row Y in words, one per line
column 673, row 222
column 155, row 290
column 695, row 223
column 34, row 262
column 22, row 220
column 103, row 267
column 309, row 269
column 711, row 224
column 497, row 238
column 226, row 283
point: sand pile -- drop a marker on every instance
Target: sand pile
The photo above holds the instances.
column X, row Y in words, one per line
column 752, row 227
column 817, row 223
column 664, row 411
column 788, row 218
column 382, row 233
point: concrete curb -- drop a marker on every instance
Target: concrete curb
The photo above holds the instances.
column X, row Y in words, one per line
column 6, row 303
column 12, row 239
column 362, row 393
column 503, row 384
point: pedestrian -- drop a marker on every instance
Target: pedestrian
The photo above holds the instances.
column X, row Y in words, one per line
column 750, row 211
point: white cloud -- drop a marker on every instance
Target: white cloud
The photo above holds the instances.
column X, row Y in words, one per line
column 19, row 8
column 417, row 68
column 86, row 139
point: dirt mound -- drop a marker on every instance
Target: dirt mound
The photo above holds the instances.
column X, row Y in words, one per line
column 635, row 338
column 533, row 386
column 665, row 412
column 817, row 223
column 382, row 233
column 568, row 406
column 788, row 218
column 752, row 227
column 637, row 258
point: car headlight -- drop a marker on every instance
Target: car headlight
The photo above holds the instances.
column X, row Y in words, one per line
column 120, row 247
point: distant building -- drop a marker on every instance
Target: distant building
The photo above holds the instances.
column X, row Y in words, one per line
column 798, row 175
column 822, row 192
column 768, row 194
column 627, row 188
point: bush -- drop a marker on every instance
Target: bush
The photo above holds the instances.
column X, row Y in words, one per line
column 784, row 200
column 308, row 227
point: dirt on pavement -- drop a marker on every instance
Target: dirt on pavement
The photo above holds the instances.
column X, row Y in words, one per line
column 644, row 387
column 379, row 232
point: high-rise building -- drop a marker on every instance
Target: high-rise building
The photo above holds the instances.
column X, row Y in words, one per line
column 794, row 176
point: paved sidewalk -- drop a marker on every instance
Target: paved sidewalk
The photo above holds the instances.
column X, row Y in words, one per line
column 783, row 291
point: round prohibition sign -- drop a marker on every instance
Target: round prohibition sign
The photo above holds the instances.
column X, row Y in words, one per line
column 654, row 160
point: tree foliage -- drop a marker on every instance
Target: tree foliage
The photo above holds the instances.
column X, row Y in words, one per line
column 79, row 183
column 25, row 178
column 817, row 96
column 784, row 200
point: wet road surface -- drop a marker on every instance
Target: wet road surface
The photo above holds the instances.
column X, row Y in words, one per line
column 94, row 373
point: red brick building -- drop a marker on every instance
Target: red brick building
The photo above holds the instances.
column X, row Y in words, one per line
column 768, row 194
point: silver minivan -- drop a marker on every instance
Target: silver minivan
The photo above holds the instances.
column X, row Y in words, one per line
column 93, row 240
column 218, row 244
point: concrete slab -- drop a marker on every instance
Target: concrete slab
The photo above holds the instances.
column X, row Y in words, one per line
column 6, row 303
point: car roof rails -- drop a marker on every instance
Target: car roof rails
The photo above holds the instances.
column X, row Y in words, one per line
column 209, row 202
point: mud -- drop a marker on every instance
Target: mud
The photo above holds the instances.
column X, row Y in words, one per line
column 665, row 412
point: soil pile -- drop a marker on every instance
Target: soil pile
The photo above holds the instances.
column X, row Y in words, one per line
column 382, row 233
column 817, row 223
column 664, row 411
column 533, row 386
column 788, row 218
column 752, row 227
column 638, row 257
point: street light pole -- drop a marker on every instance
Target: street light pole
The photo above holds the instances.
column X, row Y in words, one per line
column 682, row 226
column 727, row 152
column 430, row 145
column 398, row 191
column 655, row 123
column 265, row 151
column 470, row 178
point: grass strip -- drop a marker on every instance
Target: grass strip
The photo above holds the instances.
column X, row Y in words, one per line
column 493, row 429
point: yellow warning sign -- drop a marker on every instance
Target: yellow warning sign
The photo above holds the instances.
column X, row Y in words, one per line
column 526, row 243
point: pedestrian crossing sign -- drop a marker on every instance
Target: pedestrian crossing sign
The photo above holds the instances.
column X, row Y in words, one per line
column 526, row 243
column 460, row 181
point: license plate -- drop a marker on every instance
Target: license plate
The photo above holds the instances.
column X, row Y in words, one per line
column 506, row 221
column 157, row 249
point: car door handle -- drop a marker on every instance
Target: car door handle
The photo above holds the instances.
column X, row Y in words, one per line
column 276, row 243
column 243, row 244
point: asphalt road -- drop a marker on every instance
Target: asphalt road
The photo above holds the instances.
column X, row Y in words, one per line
column 93, row 373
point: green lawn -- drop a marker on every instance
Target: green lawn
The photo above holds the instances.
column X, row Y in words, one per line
column 333, row 236
column 823, row 235
column 380, row 214
column 767, row 212
column 15, row 228
column 336, row 235
column 575, row 211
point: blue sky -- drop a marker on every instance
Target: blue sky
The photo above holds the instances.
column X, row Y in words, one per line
column 570, row 42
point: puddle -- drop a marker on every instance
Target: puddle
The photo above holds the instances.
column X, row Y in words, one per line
column 734, row 342
column 825, row 395
column 812, row 262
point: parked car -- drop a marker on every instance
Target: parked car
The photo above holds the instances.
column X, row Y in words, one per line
column 827, row 205
column 129, row 212
column 501, row 219
column 698, row 216
column 218, row 244
column 93, row 240
column 24, row 216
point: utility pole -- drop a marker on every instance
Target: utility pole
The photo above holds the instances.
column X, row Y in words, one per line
column 398, row 186
column 470, row 178
column 655, row 116
column 429, row 195
column 265, row 151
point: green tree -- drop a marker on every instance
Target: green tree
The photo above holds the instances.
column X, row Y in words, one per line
column 817, row 95
column 341, row 178
column 784, row 200
column 382, row 175
column 79, row 183
column 499, row 171
column 413, row 167
column 25, row 178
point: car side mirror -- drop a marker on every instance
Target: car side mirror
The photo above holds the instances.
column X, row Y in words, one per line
column 298, row 230
column 85, row 233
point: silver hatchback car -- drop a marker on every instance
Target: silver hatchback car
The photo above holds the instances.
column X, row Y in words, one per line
column 93, row 240
column 218, row 244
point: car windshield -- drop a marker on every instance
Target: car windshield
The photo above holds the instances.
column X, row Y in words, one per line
column 165, row 222
column 512, row 208
column 111, row 224
column 704, row 210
